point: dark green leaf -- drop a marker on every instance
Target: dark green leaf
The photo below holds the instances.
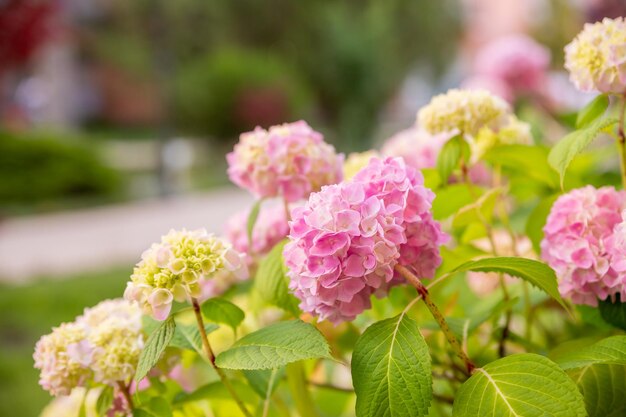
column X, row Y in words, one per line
column 391, row 370
column 609, row 351
column 592, row 111
column 614, row 313
column 219, row 310
column 155, row 345
column 260, row 379
column 275, row 346
column 603, row 387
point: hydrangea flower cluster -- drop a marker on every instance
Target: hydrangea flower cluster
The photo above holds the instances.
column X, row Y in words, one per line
column 596, row 58
column 582, row 246
column 356, row 161
column 464, row 111
column 518, row 62
column 346, row 240
column 512, row 132
column 289, row 160
column 419, row 148
column 101, row 346
column 175, row 268
column 270, row 228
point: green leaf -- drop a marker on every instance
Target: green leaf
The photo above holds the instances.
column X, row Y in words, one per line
column 609, row 351
column 431, row 178
column 452, row 152
column 479, row 210
column 592, row 111
column 187, row 336
column 157, row 407
column 252, row 218
column 217, row 390
column 613, row 313
column 261, row 379
column 537, row 220
column 529, row 161
column 105, row 400
column 275, row 346
column 271, row 281
column 526, row 384
column 535, row 272
column 220, row 310
column 155, row 345
column 391, row 370
column 603, row 388
column 574, row 143
column 450, row 199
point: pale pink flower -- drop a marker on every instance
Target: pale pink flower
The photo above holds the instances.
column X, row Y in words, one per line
column 290, row 160
column 346, row 240
column 579, row 243
column 517, row 61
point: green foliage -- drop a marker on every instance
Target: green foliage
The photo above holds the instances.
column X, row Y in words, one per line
column 187, row 336
column 450, row 199
column 453, row 152
column 537, row 220
column 274, row 346
column 105, row 399
column 219, row 310
column 527, row 161
column 478, row 211
column 537, row 273
column 40, row 168
column 609, row 351
column 391, row 370
column 575, row 142
column 526, row 385
column 271, row 282
column 252, row 218
column 155, row 346
column 592, row 111
column 603, row 388
column 614, row 313
column 264, row 380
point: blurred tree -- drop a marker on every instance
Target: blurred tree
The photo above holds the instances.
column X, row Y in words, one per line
column 353, row 55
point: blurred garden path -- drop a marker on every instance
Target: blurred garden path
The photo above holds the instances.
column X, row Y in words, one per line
column 61, row 244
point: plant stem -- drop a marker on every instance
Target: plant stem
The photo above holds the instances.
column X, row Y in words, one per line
column 423, row 292
column 211, row 356
column 296, row 380
column 621, row 140
column 126, row 392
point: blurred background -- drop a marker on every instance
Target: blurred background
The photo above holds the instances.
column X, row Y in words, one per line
column 115, row 117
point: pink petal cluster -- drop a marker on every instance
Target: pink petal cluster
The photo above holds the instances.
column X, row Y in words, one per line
column 290, row 160
column 584, row 246
column 516, row 62
column 346, row 240
column 270, row 228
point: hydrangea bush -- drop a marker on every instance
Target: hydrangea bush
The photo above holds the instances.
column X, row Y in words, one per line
column 464, row 269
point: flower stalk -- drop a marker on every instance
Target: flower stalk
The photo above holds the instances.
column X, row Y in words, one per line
column 621, row 140
column 211, row 356
column 126, row 392
column 439, row 318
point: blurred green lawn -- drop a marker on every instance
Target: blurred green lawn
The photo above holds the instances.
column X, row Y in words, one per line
column 26, row 313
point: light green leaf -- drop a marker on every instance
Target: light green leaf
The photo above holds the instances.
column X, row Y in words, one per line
column 431, row 178
column 219, row 310
column 479, row 210
column 613, row 313
column 537, row 220
column 592, row 111
column 275, row 346
column 611, row 351
column 157, row 407
column 529, row 161
column 522, row 385
column 187, row 336
column 603, row 388
column 450, row 199
column 217, row 390
column 575, row 142
column 271, row 281
column 391, row 370
column 535, row 272
column 155, row 345
column 105, row 400
column 261, row 380
column 252, row 218
column 451, row 154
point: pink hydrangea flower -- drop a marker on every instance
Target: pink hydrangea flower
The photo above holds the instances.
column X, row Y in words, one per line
column 579, row 243
column 290, row 160
column 518, row 61
column 270, row 228
column 617, row 250
column 346, row 240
